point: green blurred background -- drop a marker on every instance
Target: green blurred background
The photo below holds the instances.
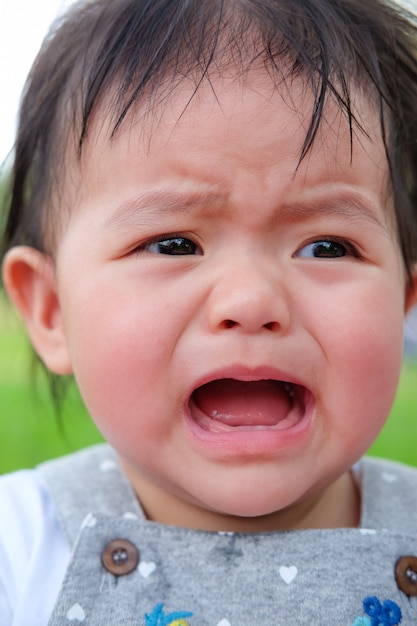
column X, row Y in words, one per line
column 31, row 431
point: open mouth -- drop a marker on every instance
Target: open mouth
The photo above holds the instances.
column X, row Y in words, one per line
column 228, row 404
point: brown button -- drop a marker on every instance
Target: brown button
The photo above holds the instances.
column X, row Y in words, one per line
column 120, row 557
column 406, row 575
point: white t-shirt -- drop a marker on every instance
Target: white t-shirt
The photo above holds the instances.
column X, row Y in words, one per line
column 34, row 553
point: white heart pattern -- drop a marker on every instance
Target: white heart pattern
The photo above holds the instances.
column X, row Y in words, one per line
column 146, row 569
column 129, row 515
column 107, row 466
column 89, row 521
column 389, row 478
column 76, row 613
column 224, row 622
column 288, row 573
column 367, row 531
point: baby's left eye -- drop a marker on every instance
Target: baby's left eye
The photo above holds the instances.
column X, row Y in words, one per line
column 174, row 246
column 327, row 249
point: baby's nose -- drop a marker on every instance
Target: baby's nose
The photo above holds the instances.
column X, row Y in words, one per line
column 250, row 300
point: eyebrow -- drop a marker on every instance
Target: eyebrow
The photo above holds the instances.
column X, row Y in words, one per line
column 169, row 201
column 148, row 205
column 351, row 204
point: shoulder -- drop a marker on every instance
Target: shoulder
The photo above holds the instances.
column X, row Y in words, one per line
column 86, row 481
column 29, row 535
column 384, row 466
column 25, row 512
column 389, row 495
column 21, row 492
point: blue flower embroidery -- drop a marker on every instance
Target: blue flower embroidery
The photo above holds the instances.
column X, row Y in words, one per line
column 158, row 617
column 386, row 614
column 362, row 621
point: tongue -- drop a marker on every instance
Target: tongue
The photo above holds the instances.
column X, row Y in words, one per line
column 239, row 403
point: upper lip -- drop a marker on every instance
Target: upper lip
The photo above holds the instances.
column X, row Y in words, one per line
column 247, row 374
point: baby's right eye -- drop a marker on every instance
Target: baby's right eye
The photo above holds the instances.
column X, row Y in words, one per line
column 174, row 246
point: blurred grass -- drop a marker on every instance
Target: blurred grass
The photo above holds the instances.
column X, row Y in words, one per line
column 31, row 432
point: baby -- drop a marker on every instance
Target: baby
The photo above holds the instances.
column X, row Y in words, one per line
column 213, row 226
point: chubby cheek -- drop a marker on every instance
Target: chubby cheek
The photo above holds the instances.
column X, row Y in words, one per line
column 364, row 354
column 120, row 356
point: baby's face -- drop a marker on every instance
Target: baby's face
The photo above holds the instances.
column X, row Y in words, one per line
column 234, row 325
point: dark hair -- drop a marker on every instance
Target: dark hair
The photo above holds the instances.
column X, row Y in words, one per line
column 140, row 50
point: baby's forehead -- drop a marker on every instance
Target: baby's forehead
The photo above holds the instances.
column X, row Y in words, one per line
column 191, row 137
column 247, row 97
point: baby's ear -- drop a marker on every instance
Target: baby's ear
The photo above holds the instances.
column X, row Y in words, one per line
column 411, row 291
column 29, row 279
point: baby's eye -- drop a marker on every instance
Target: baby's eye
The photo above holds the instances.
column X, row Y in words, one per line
column 175, row 246
column 327, row 249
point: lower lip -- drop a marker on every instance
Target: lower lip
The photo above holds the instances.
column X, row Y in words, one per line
column 251, row 442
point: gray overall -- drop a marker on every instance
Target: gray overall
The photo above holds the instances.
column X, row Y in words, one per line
column 126, row 570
